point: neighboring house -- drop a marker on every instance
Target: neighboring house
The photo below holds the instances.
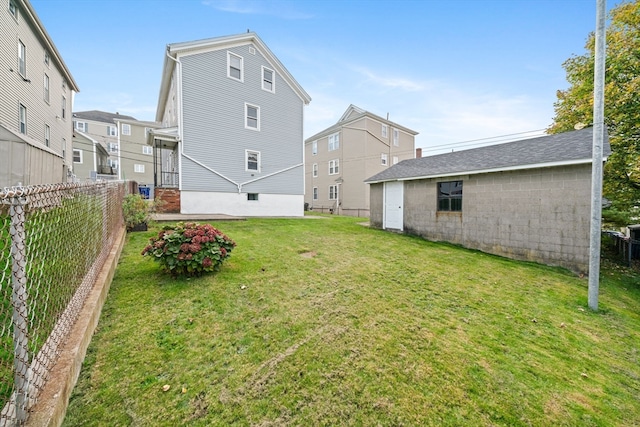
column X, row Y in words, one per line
column 527, row 199
column 89, row 158
column 340, row 158
column 124, row 138
column 36, row 95
column 233, row 122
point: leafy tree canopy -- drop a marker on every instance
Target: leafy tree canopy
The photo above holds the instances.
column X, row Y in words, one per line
column 622, row 102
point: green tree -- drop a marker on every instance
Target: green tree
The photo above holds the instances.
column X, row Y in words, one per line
column 622, row 102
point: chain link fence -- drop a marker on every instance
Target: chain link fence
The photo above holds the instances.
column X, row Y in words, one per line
column 54, row 240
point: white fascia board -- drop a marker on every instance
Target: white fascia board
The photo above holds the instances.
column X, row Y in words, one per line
column 491, row 170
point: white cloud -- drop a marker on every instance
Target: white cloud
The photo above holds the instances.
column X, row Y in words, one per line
column 390, row 82
column 279, row 8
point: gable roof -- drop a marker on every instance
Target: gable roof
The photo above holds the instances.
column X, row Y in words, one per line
column 352, row 114
column 100, row 116
column 197, row 46
column 546, row 151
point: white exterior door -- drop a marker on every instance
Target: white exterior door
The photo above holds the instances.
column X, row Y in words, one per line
column 393, row 205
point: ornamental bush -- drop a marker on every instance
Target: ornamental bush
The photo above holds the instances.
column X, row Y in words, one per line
column 189, row 249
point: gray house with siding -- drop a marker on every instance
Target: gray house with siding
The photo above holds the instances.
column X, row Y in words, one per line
column 231, row 140
column 528, row 199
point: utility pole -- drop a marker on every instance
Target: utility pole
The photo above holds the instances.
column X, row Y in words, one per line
column 596, row 168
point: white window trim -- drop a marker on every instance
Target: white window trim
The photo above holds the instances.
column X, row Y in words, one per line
column 273, row 80
column 138, row 168
column 396, row 137
column 241, row 79
column 22, row 59
column 385, row 131
column 13, row 13
column 333, row 141
column 112, row 131
column 246, row 161
column 82, row 128
column 22, row 123
column 47, row 88
column 47, row 135
column 395, row 160
column 384, row 159
column 246, row 116
column 126, row 129
column 315, row 193
column 315, row 170
column 64, row 108
column 335, row 192
column 147, row 150
column 335, row 166
column 75, row 150
column 314, row 148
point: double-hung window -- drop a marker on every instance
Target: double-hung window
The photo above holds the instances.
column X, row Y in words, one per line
column 147, row 150
column 126, row 129
column 253, row 161
column 315, row 170
column 334, row 167
column 450, row 196
column 235, row 66
column 251, row 117
column 314, row 148
column 334, row 141
column 385, row 130
column 13, row 8
column 315, row 193
column 23, row 119
column 46, row 88
column 22, row 59
column 384, row 159
column 396, row 137
column 64, row 108
column 113, row 147
column 333, row 192
column 268, row 80
column 47, row 135
column 77, row 156
column 138, row 168
column 82, row 126
column 112, row 131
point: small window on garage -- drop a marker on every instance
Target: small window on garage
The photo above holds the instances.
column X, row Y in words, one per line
column 252, row 196
column 450, row 196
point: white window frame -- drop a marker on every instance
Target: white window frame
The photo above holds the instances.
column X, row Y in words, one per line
column 333, row 141
column 22, row 59
column 265, row 80
column 229, row 55
column 334, row 167
column 46, row 83
column 47, row 58
column 81, row 126
column 138, row 168
column 113, row 147
column 396, row 137
column 314, row 148
column 79, row 152
column 333, row 192
column 247, row 153
column 13, row 8
column 246, row 116
column 395, row 160
column 315, row 193
column 126, row 129
column 385, row 131
column 47, row 135
column 384, row 159
column 22, row 119
column 64, row 108
column 252, row 197
column 315, row 170
column 147, row 150
column 112, row 163
column 112, row 130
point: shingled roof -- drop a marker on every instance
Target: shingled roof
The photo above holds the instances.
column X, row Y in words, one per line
column 100, row 116
column 552, row 150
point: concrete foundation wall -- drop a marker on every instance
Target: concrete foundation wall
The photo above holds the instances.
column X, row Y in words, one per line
column 539, row 215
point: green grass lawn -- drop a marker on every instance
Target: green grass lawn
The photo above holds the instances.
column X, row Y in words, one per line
column 317, row 322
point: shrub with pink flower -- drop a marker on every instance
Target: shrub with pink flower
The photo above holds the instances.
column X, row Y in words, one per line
column 190, row 249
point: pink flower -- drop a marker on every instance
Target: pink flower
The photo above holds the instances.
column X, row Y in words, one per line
column 206, row 263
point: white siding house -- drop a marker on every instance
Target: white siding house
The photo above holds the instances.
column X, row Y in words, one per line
column 232, row 119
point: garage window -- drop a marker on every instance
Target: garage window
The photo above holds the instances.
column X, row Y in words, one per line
column 450, row 196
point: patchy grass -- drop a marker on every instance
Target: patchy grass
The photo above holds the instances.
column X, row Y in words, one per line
column 327, row 322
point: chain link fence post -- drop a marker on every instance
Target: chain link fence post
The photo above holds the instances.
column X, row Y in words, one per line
column 20, row 308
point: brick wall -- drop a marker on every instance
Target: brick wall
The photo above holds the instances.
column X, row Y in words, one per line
column 168, row 200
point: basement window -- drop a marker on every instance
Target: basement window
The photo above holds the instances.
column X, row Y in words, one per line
column 252, row 196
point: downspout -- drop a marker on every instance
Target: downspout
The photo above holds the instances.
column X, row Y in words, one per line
column 179, row 111
column 95, row 159
column 119, row 159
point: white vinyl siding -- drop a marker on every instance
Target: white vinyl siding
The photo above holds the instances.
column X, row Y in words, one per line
column 235, row 66
column 268, row 80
